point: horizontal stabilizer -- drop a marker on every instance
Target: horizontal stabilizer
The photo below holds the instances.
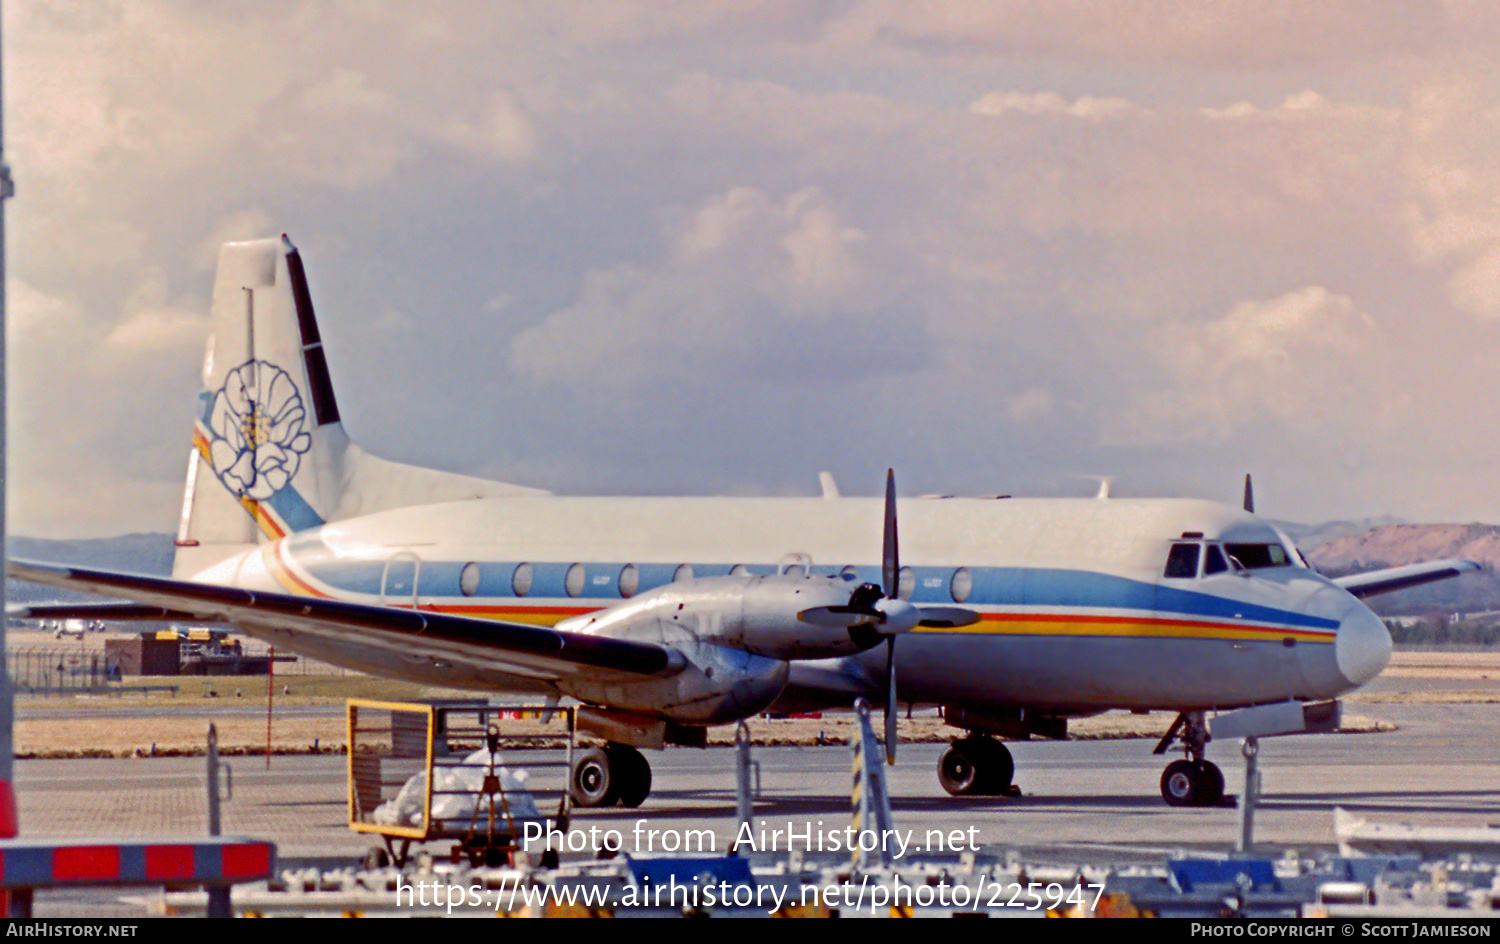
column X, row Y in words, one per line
column 1391, row 579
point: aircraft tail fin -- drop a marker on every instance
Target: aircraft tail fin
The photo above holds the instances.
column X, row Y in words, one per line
column 270, row 456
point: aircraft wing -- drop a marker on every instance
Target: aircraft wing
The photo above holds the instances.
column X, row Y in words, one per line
column 1399, row 578
column 433, row 648
column 111, row 612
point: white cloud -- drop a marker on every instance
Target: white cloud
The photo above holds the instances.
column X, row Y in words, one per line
column 1086, row 107
column 1298, row 359
column 1214, row 33
column 1304, row 106
column 750, row 276
column 159, row 331
column 860, row 214
column 1452, row 212
column 499, row 127
column 1475, row 288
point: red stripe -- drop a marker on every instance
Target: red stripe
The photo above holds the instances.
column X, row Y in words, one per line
column 169, row 862
column 1186, row 624
column 247, row 861
column 501, row 612
column 86, row 864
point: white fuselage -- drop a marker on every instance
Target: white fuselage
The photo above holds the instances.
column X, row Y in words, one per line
column 1077, row 611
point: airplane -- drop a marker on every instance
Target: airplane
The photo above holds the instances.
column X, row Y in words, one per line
column 664, row 616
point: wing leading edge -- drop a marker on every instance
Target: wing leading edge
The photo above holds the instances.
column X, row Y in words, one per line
column 1391, row 579
column 437, row 648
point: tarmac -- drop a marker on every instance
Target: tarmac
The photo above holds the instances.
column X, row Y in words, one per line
column 1094, row 802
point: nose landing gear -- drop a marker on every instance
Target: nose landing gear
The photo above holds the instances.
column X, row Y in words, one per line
column 1193, row 781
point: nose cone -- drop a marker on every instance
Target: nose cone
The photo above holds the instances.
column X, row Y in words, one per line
column 1363, row 646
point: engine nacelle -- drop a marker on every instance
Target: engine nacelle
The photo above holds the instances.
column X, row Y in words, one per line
column 756, row 614
column 735, row 635
column 717, row 684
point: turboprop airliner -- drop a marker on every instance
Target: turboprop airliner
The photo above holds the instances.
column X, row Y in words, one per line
column 663, row 616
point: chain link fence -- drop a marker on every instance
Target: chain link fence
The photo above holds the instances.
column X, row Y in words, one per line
column 79, row 667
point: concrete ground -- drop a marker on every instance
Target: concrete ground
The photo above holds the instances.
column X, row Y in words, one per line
column 1094, row 801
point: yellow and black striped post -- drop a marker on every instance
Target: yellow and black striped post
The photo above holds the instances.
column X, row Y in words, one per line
column 868, row 799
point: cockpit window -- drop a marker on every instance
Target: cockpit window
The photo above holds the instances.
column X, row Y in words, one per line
column 1257, row 556
column 1213, row 561
column 1182, row 561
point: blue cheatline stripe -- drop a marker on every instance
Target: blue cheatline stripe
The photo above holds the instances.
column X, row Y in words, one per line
column 992, row 586
column 293, row 509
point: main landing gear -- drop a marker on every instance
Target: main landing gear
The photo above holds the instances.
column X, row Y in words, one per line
column 976, row 765
column 614, row 773
column 1192, row 781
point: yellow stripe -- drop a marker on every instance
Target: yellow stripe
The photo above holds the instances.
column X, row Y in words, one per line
column 253, row 508
column 1070, row 625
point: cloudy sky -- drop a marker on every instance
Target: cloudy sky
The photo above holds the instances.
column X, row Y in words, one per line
column 715, row 247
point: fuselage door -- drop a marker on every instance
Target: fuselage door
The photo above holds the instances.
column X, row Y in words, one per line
column 398, row 580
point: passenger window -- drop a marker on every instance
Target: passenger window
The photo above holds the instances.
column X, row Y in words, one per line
column 1182, row 561
column 1213, row 561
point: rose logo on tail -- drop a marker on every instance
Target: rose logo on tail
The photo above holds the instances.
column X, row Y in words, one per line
column 257, row 426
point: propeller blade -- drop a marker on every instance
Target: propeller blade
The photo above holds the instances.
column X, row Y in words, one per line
column 890, row 557
column 890, row 701
column 946, row 617
column 838, row 616
column 1249, row 495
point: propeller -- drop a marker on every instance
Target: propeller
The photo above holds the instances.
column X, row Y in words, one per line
column 1249, row 495
column 890, row 572
column 875, row 611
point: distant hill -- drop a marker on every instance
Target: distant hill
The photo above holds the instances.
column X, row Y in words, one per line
column 1393, row 545
column 1312, row 536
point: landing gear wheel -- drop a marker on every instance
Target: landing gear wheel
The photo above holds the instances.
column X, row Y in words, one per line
column 1179, row 783
column 1185, row 783
column 593, row 780
column 957, row 772
column 1213, row 784
column 632, row 774
column 996, row 767
column 976, row 766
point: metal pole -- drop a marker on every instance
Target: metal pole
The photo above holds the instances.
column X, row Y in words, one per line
column 744, row 796
column 1250, row 747
column 213, row 780
column 9, row 825
column 270, row 692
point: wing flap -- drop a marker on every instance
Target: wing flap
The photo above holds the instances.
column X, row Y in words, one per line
column 1390, row 579
column 376, row 634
